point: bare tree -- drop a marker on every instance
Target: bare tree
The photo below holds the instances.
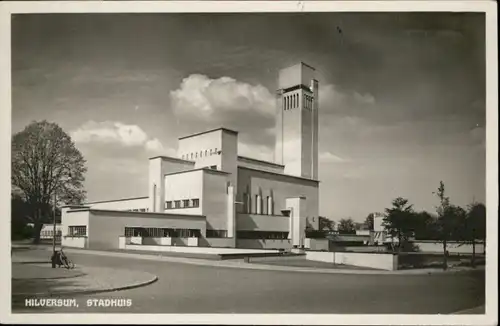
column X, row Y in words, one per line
column 46, row 165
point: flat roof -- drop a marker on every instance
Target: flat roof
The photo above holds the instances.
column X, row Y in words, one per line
column 108, row 201
column 208, row 131
column 300, row 63
column 135, row 213
column 170, row 158
column 279, row 174
column 200, row 169
column 260, row 161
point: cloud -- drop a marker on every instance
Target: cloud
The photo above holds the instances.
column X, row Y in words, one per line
column 336, row 100
column 202, row 102
column 328, row 157
column 109, row 132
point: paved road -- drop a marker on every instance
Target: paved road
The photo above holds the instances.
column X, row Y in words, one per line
column 184, row 288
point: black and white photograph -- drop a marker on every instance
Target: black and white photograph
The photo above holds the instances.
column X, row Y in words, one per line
column 286, row 163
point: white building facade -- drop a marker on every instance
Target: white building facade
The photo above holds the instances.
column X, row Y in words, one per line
column 210, row 193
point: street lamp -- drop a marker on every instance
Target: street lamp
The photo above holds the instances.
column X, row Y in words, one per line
column 55, row 226
column 54, row 233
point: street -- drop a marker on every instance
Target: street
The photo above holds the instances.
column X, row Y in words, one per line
column 183, row 288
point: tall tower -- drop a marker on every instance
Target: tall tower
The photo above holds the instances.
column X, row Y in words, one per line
column 297, row 121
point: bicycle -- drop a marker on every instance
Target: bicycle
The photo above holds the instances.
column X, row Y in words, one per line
column 62, row 260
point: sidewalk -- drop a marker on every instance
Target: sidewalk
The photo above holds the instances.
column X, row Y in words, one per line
column 259, row 266
column 40, row 279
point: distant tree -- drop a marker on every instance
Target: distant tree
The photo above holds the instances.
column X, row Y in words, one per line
column 325, row 224
column 369, row 221
column 450, row 223
column 475, row 226
column 425, row 226
column 46, row 164
column 399, row 221
column 20, row 228
column 346, row 226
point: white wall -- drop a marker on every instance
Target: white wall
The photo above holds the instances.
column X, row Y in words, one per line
column 264, row 244
column 377, row 224
column 369, row 260
column 217, row 242
column 317, row 244
column 197, row 145
column 252, row 222
column 158, row 167
column 215, row 206
column 185, row 185
column 279, row 187
column 74, row 218
column 298, row 215
column 75, row 242
column 107, row 226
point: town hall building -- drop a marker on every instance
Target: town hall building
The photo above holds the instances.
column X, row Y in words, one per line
column 209, row 196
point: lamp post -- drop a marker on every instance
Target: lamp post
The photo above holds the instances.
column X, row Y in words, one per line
column 55, row 225
column 54, row 234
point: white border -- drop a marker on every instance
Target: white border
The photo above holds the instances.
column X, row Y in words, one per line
column 489, row 7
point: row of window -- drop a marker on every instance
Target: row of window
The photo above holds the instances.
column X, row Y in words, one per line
column 49, row 233
column 260, row 206
column 308, row 102
column 161, row 232
column 262, row 235
column 185, row 203
column 77, row 231
column 292, row 101
column 137, row 210
column 216, row 233
column 194, row 155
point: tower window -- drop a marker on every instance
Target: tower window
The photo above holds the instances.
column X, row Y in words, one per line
column 196, row 202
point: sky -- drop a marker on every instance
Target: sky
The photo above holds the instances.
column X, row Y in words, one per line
column 401, row 98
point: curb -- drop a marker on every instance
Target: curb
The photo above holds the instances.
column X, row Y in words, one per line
column 51, row 278
column 228, row 264
column 94, row 291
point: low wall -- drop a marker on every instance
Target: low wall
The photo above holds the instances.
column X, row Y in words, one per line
column 366, row 249
column 452, row 247
column 197, row 250
column 74, row 242
column 280, row 257
column 317, row 244
column 217, row 242
column 370, row 260
column 264, row 244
